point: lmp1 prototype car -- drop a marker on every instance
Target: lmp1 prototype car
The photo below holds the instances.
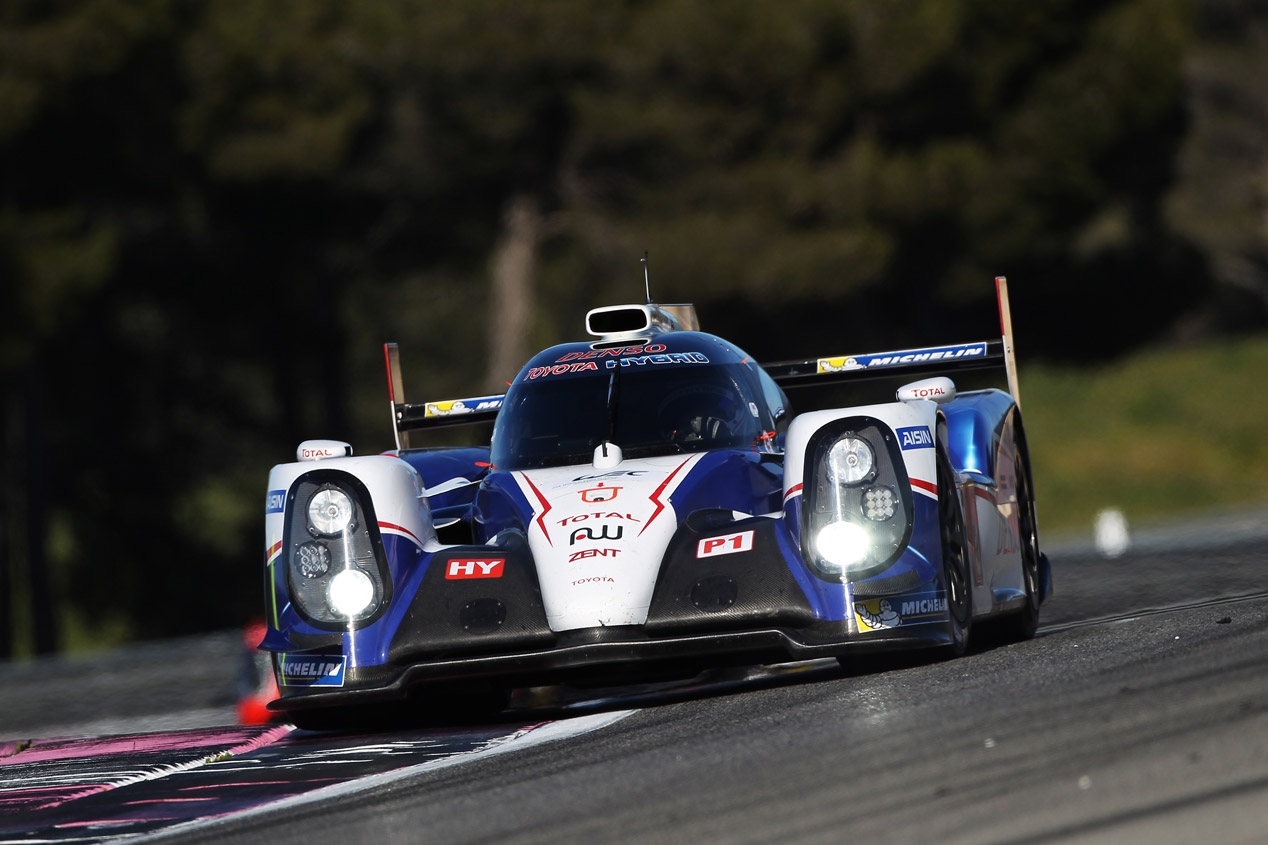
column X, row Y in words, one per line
column 649, row 506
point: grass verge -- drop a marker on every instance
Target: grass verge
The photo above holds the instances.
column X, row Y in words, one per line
column 1162, row 433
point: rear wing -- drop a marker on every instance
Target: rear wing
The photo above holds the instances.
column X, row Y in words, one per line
column 407, row 417
column 985, row 354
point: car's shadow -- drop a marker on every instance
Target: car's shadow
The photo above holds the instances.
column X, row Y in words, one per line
column 562, row 701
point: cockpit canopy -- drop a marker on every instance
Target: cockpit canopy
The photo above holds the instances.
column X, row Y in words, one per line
column 687, row 392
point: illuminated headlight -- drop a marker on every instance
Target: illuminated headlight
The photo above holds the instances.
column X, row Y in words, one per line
column 330, row 511
column 843, row 545
column 878, row 503
column 337, row 577
column 351, row 593
column 850, row 461
column 858, row 515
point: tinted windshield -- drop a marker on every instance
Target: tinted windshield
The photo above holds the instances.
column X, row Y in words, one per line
column 558, row 421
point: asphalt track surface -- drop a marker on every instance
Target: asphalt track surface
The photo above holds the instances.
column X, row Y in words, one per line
column 1139, row 714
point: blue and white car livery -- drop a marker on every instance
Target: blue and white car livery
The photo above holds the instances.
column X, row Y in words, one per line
column 649, row 504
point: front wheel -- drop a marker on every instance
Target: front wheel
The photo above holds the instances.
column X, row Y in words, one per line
column 956, row 578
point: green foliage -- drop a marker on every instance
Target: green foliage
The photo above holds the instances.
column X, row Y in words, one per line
column 63, row 258
column 1157, row 434
column 277, row 90
column 51, row 49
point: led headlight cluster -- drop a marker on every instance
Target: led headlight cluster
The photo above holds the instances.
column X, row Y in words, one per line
column 312, row 560
column 857, row 517
column 335, row 575
column 879, row 503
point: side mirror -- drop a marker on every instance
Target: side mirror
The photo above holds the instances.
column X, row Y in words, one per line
column 939, row 389
column 319, row 450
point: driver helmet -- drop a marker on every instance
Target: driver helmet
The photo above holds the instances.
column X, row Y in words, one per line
column 707, row 411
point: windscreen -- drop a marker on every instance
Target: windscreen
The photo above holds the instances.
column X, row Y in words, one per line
column 556, row 421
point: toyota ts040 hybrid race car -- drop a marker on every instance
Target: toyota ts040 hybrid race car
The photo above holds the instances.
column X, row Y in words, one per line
column 650, row 506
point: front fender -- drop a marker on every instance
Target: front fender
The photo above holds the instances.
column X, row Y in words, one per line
column 912, row 425
column 394, row 486
column 904, row 418
column 394, row 496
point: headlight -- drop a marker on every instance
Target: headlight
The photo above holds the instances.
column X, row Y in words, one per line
column 337, row 577
column 843, row 545
column 850, row 460
column 351, row 593
column 330, row 511
column 857, row 513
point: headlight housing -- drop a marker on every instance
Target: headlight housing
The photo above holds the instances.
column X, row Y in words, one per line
column 336, row 572
column 858, row 507
column 850, row 461
column 330, row 511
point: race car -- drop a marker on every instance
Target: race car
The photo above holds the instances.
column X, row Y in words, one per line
column 650, row 506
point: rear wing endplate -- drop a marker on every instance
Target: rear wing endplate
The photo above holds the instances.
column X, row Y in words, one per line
column 985, row 354
column 407, row 417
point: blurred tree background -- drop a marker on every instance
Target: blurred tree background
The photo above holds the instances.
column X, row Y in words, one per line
column 213, row 213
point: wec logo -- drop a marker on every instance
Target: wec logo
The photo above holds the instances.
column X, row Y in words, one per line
column 917, row 437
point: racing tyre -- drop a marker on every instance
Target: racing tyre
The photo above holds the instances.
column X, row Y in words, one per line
column 956, row 577
column 1022, row 625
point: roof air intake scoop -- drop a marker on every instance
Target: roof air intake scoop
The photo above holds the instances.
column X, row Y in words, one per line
column 639, row 322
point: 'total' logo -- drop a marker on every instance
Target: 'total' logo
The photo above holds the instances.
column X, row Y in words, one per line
column 727, row 544
column 475, row 568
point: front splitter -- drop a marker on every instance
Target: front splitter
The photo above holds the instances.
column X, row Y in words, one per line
column 555, row 664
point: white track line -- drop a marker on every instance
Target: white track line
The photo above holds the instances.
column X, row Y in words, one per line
column 527, row 738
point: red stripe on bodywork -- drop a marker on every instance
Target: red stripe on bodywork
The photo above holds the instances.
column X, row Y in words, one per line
column 796, row 488
column 273, row 550
column 924, row 485
column 655, row 497
column 541, row 519
column 387, row 361
column 404, row 531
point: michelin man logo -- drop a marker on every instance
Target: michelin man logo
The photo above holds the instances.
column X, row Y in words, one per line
column 884, row 616
column 838, row 365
